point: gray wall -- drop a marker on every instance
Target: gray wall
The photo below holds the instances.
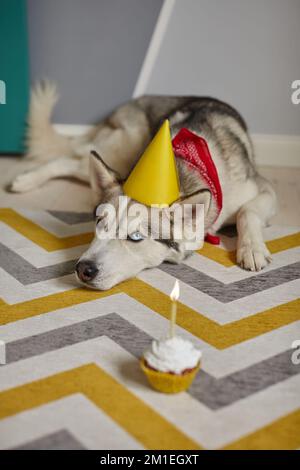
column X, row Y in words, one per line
column 94, row 49
column 244, row 51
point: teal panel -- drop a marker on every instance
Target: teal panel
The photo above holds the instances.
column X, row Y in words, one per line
column 14, row 75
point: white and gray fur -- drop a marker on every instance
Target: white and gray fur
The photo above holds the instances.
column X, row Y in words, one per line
column 248, row 199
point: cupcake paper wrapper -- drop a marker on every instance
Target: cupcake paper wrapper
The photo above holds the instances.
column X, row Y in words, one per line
column 166, row 382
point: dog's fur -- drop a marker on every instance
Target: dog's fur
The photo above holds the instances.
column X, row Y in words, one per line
column 248, row 199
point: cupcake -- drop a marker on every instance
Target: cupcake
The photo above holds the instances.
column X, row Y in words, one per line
column 170, row 365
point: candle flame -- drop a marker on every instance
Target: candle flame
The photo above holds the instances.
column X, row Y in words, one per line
column 175, row 291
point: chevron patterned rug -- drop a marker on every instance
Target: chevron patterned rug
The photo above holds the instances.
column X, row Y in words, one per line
column 71, row 379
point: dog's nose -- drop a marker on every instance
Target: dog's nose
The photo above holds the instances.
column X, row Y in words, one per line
column 86, row 270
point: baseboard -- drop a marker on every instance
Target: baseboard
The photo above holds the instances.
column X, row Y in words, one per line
column 73, row 129
column 277, row 150
column 270, row 150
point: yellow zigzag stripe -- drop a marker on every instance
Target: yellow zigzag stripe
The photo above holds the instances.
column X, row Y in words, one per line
column 51, row 242
column 282, row 434
column 135, row 416
column 39, row 235
column 219, row 255
column 131, row 413
column 228, row 258
column 219, row 336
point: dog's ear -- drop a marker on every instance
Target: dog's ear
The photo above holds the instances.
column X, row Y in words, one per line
column 192, row 217
column 203, row 196
column 103, row 179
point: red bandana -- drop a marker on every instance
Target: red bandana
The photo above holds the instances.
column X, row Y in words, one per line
column 194, row 150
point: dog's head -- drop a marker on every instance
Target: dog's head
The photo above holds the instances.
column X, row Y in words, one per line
column 139, row 242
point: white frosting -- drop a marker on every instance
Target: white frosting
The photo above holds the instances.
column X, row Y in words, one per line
column 172, row 355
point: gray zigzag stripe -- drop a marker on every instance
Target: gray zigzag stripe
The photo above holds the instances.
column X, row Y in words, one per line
column 60, row 440
column 27, row 274
column 236, row 290
column 214, row 393
column 72, row 218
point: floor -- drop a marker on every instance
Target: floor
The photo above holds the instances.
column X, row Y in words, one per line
column 52, row 195
column 71, row 377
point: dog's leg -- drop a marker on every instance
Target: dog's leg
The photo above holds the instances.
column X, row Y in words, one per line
column 252, row 253
column 123, row 137
column 63, row 166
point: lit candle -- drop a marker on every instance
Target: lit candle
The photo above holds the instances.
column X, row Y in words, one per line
column 174, row 296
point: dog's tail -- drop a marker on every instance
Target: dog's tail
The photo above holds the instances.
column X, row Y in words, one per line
column 43, row 142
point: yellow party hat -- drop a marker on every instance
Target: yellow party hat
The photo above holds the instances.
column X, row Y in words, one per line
column 154, row 178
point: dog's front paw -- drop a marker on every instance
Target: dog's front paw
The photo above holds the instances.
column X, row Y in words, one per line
column 253, row 257
column 22, row 183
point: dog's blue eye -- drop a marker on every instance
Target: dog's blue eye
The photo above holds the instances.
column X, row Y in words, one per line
column 136, row 237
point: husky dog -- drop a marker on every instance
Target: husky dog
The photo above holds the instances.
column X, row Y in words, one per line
column 248, row 199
